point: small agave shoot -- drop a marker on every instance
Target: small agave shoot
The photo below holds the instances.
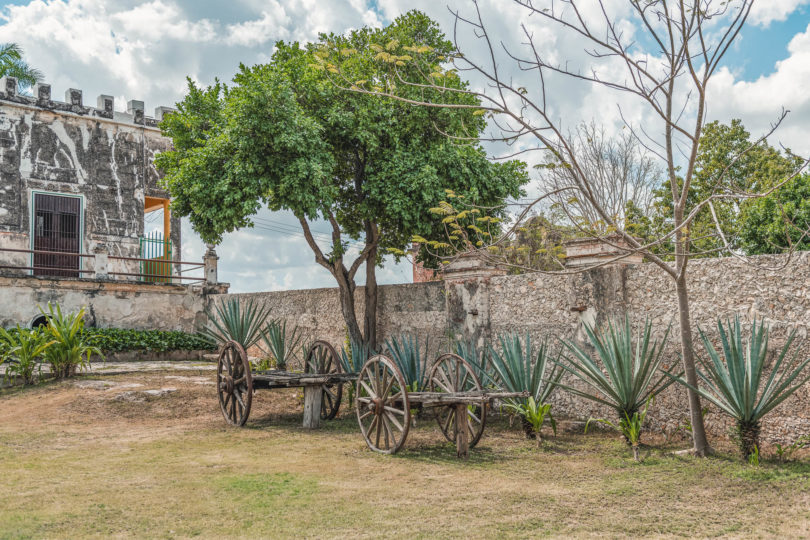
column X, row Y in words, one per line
column 280, row 344
column 629, row 426
column 231, row 320
column 71, row 345
column 514, row 368
column 535, row 415
column 628, row 377
column 735, row 379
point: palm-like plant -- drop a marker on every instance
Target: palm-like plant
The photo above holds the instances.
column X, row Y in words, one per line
column 13, row 65
column 22, row 349
column 231, row 320
column 629, row 373
column 734, row 380
column 629, row 426
column 407, row 355
column 71, row 345
column 535, row 415
column 279, row 343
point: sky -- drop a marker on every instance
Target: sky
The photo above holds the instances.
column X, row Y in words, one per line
column 145, row 50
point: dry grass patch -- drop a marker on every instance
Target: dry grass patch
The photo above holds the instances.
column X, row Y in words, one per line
column 78, row 462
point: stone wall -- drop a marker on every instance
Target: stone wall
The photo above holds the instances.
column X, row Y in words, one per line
column 109, row 303
column 555, row 308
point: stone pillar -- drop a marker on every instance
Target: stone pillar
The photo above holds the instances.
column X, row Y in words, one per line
column 466, row 283
column 599, row 291
column 210, row 260
column 101, row 261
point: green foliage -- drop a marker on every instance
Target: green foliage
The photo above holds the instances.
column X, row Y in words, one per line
column 785, row 453
column 12, row 64
column 231, row 320
column 535, row 415
column 516, row 367
column 753, row 457
column 71, row 348
column 22, row 350
column 353, row 356
column 734, row 378
column 279, row 343
column 406, row 353
column 629, row 426
column 628, row 375
column 476, row 357
column 286, row 136
column 778, row 222
column 120, row 340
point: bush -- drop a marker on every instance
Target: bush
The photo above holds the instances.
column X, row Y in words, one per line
column 70, row 348
column 119, row 340
column 21, row 349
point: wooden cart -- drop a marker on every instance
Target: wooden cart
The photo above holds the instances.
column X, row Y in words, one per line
column 454, row 392
column 322, row 381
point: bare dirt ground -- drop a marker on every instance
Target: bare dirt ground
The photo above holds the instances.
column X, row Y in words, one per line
column 149, row 455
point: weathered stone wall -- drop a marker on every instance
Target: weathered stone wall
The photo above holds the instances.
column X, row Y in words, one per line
column 103, row 156
column 110, row 304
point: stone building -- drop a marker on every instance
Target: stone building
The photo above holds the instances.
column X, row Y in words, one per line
column 77, row 179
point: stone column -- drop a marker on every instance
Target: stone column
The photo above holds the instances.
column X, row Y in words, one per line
column 210, row 260
column 466, row 283
column 101, row 261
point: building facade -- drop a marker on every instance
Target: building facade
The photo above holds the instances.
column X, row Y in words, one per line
column 77, row 180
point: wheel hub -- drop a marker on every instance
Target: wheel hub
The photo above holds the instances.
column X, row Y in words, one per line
column 377, row 406
column 227, row 384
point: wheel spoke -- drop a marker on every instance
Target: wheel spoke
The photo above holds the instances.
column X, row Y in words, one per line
column 393, row 420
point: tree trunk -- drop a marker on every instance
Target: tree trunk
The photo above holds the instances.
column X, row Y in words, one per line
column 370, row 320
column 701, row 446
column 346, row 292
column 749, row 438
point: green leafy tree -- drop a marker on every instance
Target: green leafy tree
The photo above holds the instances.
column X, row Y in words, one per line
column 284, row 136
column 12, row 64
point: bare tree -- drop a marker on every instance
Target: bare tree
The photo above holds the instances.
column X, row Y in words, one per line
column 685, row 41
column 619, row 168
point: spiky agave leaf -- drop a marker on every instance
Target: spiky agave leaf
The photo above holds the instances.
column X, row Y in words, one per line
column 732, row 380
column 404, row 349
column 517, row 368
column 279, row 343
column 625, row 376
column 353, row 357
column 231, row 321
column 476, row 357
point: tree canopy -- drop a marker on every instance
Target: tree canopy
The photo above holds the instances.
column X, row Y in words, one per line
column 283, row 135
column 12, row 64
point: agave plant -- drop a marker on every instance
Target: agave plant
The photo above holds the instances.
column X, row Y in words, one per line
column 406, row 353
column 231, row 320
column 476, row 357
column 517, row 368
column 629, row 374
column 22, row 349
column 352, row 358
column 734, row 379
column 280, row 344
column 71, row 347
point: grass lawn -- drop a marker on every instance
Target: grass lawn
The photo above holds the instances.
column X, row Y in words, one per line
column 77, row 462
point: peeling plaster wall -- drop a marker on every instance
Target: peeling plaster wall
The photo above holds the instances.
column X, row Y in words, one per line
column 106, row 158
column 109, row 304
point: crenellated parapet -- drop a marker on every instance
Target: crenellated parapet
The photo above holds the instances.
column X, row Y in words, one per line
column 74, row 103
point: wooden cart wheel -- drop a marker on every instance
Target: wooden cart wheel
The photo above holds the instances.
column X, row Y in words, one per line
column 234, row 383
column 383, row 410
column 321, row 359
column 451, row 373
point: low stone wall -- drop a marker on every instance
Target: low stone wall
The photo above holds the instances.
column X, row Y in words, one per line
column 109, row 304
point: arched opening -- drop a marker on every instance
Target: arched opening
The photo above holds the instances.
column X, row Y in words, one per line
column 39, row 321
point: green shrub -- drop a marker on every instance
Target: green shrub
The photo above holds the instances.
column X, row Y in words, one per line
column 111, row 340
column 71, row 348
column 21, row 349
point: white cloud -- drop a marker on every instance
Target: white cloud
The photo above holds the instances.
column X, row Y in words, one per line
column 765, row 12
